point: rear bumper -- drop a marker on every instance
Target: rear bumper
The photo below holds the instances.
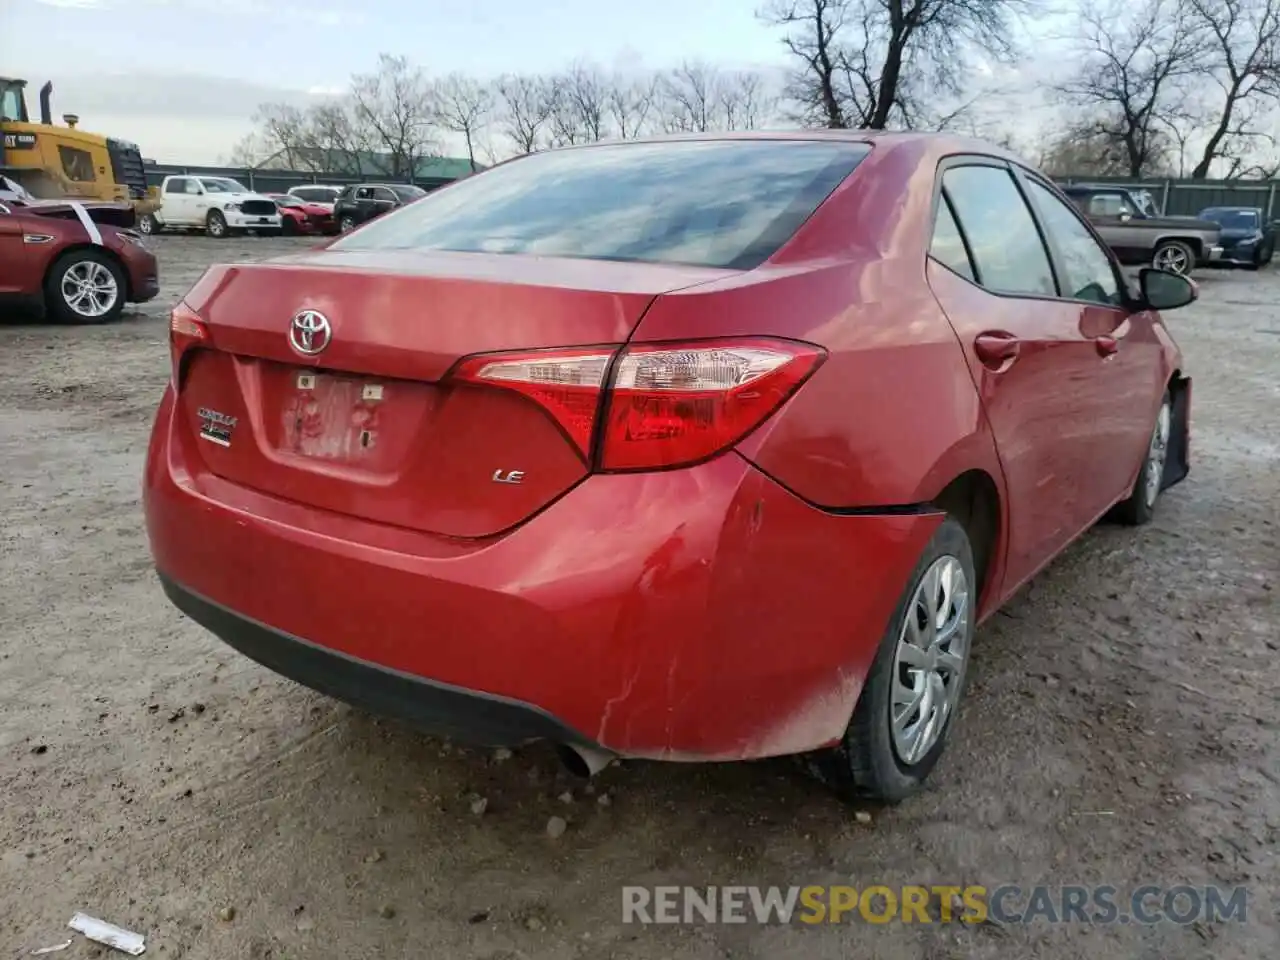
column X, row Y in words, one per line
column 463, row 715
column 695, row 614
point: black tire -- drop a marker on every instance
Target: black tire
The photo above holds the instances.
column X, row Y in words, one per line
column 1140, row 507
column 1266, row 252
column 148, row 225
column 215, row 225
column 866, row 764
column 1174, row 250
column 288, row 227
column 63, row 274
column 346, row 224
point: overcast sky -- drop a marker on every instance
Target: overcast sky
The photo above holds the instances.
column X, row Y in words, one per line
column 182, row 77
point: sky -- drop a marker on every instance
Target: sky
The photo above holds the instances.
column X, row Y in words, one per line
column 182, row 77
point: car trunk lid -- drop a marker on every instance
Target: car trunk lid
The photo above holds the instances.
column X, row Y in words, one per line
column 370, row 425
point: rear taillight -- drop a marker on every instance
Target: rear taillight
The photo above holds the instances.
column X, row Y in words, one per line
column 667, row 405
column 186, row 330
column 677, row 404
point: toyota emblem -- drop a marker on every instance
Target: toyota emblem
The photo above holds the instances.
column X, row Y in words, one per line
column 310, row 332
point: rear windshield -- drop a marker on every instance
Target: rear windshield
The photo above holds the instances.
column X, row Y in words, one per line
column 725, row 203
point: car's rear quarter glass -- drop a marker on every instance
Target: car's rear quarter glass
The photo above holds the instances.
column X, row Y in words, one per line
column 721, row 203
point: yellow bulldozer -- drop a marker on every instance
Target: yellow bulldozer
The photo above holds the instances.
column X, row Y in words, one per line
column 57, row 162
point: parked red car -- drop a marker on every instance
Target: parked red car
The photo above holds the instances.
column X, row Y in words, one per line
column 696, row 449
column 300, row 217
column 76, row 261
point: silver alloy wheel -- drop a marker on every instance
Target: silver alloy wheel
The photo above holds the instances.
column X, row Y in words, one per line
column 217, row 227
column 1172, row 258
column 1157, row 452
column 89, row 289
column 929, row 663
column 346, row 225
column 146, row 224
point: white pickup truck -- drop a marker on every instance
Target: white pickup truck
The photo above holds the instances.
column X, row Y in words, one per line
column 218, row 205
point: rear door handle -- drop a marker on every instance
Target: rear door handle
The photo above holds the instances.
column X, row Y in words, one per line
column 1106, row 345
column 997, row 348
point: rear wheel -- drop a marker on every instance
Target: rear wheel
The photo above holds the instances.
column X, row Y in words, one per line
column 85, row 286
column 1140, row 507
column 216, row 225
column 1175, row 257
column 1266, row 252
column 913, row 690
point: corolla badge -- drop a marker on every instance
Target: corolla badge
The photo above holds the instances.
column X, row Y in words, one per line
column 309, row 332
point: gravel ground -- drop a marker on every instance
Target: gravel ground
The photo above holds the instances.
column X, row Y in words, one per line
column 1121, row 728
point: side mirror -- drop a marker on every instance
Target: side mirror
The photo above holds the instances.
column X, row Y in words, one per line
column 1162, row 290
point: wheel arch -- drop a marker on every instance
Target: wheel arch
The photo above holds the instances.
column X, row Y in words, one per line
column 1196, row 244
column 973, row 499
column 93, row 248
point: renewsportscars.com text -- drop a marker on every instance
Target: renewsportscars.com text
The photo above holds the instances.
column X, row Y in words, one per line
column 1006, row 904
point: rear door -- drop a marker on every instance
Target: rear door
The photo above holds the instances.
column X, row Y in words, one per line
column 1127, row 382
column 1032, row 365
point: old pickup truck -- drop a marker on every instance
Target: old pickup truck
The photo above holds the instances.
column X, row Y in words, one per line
column 1130, row 224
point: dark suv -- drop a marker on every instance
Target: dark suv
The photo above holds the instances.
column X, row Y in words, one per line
column 364, row 201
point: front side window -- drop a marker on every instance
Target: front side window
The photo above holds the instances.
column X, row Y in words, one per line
column 76, row 164
column 222, row 185
column 713, row 203
column 1007, row 250
column 1089, row 273
column 385, row 195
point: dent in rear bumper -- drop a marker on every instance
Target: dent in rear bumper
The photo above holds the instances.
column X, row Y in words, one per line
column 699, row 614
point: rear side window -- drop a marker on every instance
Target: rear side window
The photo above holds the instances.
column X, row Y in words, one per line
column 1008, row 254
column 720, row 203
column 176, row 185
column 948, row 245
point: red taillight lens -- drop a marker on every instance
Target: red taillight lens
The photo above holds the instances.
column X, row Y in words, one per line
column 566, row 383
column 186, row 330
column 672, row 405
column 668, row 404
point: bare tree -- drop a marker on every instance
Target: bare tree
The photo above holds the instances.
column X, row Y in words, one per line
column 464, row 106
column 1083, row 149
column 281, row 134
column 631, row 101
column 396, row 103
column 1243, row 61
column 1133, row 73
column 527, row 102
column 871, row 63
column 690, row 96
column 579, row 106
column 745, row 101
column 336, row 142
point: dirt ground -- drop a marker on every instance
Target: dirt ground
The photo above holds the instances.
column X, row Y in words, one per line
column 1121, row 728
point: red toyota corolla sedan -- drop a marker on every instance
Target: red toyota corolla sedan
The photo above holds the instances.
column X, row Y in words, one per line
column 693, row 449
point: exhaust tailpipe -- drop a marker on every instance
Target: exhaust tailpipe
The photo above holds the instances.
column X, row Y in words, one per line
column 46, row 111
column 583, row 761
